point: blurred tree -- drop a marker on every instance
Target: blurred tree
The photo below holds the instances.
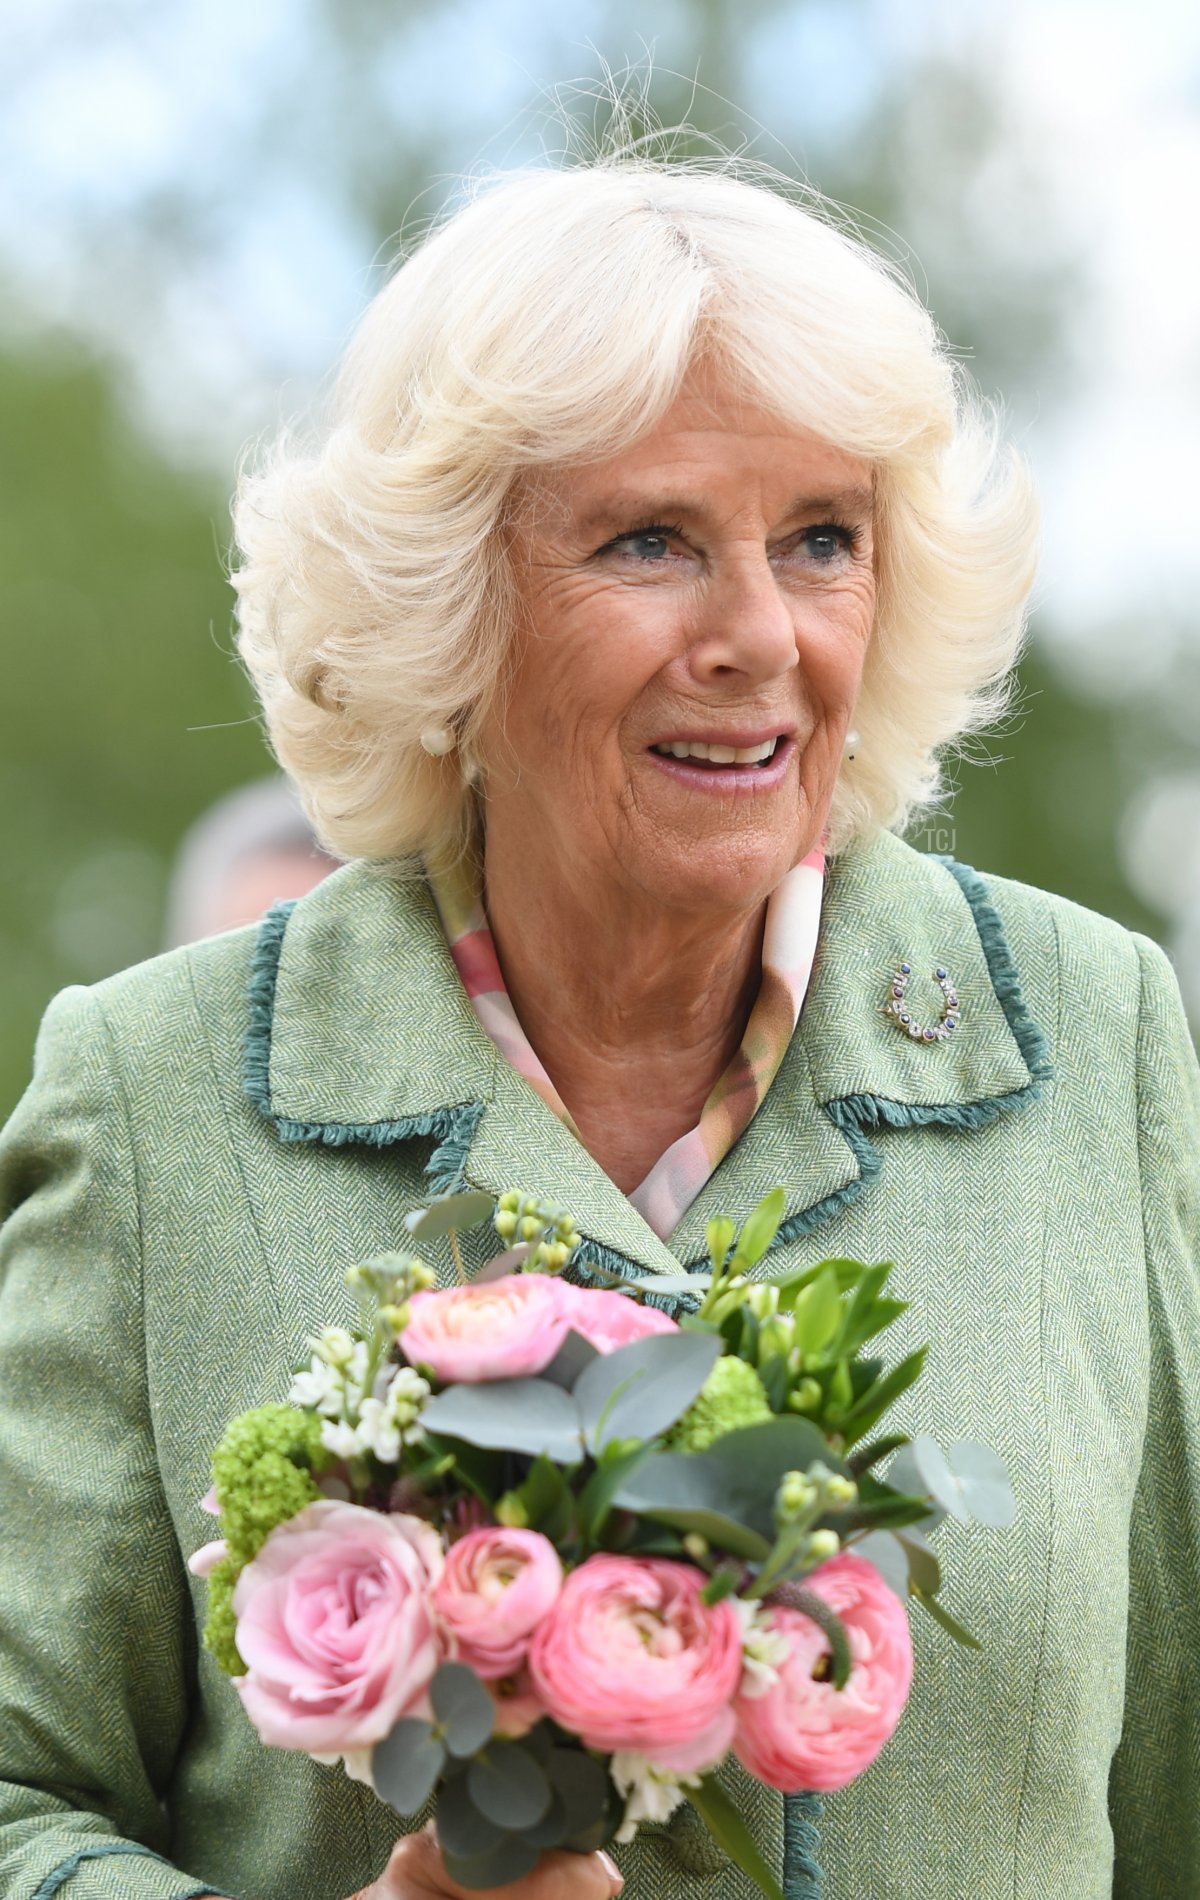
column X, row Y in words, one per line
column 122, row 714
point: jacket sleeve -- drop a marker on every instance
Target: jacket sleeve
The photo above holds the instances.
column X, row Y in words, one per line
column 1155, row 1786
column 95, row 1656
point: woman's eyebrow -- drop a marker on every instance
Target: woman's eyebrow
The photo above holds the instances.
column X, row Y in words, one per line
column 621, row 507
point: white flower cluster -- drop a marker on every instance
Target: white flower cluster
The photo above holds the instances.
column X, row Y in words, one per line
column 763, row 1649
column 383, row 1420
column 651, row 1793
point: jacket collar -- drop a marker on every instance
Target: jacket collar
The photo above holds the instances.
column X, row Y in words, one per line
column 361, row 1032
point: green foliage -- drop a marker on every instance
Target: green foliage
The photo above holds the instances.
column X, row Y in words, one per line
column 732, row 1396
column 729, row 1830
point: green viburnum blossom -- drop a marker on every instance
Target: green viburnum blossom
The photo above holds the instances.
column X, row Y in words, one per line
column 731, row 1396
column 263, row 1475
column 220, row 1625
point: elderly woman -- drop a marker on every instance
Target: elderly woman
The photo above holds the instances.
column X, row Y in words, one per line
column 654, row 553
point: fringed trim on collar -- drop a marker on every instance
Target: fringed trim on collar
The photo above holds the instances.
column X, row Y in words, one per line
column 453, row 1127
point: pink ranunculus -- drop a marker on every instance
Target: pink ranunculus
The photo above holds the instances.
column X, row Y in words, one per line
column 609, row 1319
column 630, row 1657
column 499, row 1329
column 496, row 1587
column 802, row 1732
column 335, row 1624
column 517, row 1706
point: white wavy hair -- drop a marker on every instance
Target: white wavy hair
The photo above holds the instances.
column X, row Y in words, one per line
column 551, row 321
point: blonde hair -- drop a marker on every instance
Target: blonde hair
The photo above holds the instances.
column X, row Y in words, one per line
column 552, row 320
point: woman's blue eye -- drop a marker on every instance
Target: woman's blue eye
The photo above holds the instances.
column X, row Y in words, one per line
column 826, row 541
column 646, row 544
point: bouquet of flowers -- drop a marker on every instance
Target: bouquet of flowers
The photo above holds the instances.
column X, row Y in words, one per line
column 543, row 1555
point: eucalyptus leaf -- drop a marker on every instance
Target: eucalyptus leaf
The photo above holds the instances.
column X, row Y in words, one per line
column 904, row 1474
column 509, row 1785
column 675, row 1283
column 984, row 1482
column 729, row 1831
column 551, row 1830
column 727, row 1492
column 510, row 1860
column 526, row 1415
column 406, row 1764
column 583, row 1786
column 458, row 1211
column 938, row 1479
column 463, row 1830
column 503, row 1264
column 572, row 1357
column 464, row 1710
column 637, row 1391
column 721, row 1530
column 889, row 1557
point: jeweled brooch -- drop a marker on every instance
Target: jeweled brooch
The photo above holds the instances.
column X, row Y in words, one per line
column 897, row 1006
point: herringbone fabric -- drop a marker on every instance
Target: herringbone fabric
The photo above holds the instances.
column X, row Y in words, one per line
column 172, row 1236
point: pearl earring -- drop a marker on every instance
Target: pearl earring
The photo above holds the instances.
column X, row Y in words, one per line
column 437, row 741
column 850, row 745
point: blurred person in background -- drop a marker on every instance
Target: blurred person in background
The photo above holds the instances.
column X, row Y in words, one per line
column 656, row 553
column 246, row 852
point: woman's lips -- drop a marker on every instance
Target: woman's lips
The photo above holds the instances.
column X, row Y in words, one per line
column 724, row 781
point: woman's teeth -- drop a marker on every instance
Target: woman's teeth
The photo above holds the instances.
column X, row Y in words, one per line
column 717, row 754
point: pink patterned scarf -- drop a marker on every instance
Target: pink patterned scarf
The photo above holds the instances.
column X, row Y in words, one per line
column 789, row 946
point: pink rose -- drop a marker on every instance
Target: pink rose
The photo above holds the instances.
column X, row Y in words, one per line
column 802, row 1732
column 496, row 1587
column 500, row 1329
column 609, row 1319
column 630, row 1657
column 335, row 1624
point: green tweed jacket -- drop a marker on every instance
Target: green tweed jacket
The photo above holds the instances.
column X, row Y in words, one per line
column 210, row 1139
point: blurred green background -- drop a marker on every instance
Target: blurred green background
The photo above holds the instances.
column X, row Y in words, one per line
column 210, row 196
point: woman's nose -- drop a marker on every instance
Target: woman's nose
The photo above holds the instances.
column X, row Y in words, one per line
column 746, row 626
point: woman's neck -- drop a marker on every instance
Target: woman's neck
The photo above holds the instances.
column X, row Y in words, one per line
column 633, row 1012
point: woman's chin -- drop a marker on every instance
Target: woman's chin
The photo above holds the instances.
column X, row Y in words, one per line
column 717, row 876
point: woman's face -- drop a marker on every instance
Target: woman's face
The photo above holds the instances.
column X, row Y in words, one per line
column 710, row 588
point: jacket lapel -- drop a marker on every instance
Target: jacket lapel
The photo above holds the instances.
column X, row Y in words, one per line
column 851, row 1069
column 361, row 1033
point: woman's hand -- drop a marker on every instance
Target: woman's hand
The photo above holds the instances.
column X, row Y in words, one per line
column 416, row 1871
